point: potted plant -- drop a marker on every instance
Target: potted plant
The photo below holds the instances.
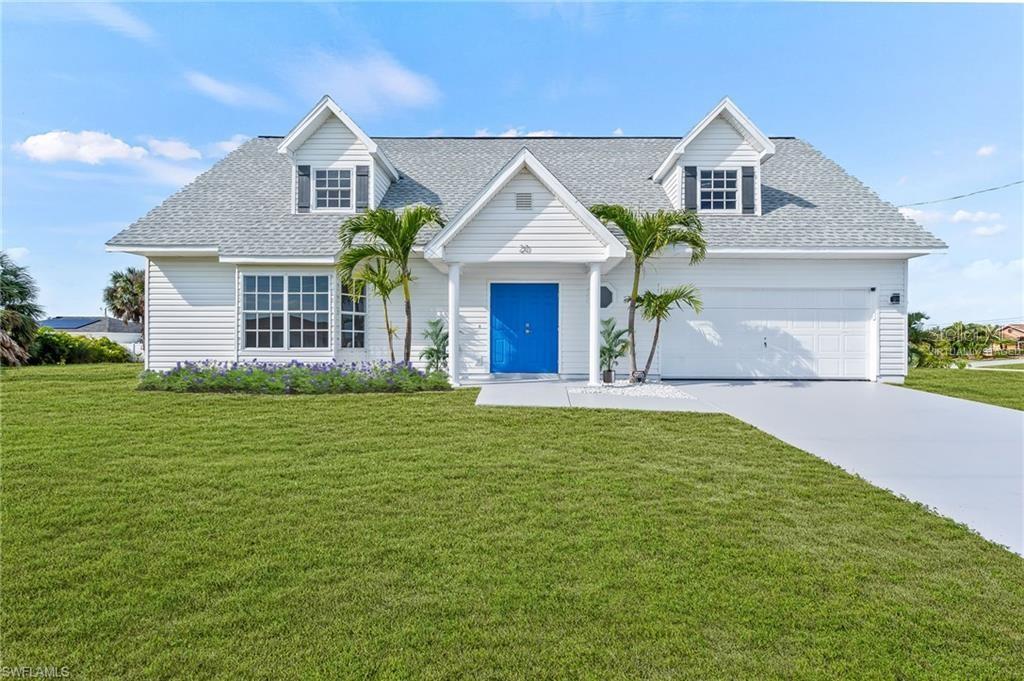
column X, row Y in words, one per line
column 614, row 346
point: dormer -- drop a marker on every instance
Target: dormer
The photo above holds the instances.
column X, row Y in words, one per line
column 716, row 168
column 336, row 167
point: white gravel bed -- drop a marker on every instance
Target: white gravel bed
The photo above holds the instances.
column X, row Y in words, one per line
column 627, row 389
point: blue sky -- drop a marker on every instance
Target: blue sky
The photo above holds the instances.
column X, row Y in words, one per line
column 108, row 109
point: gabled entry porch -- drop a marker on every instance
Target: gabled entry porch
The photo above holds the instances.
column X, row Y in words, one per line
column 518, row 323
column 524, row 262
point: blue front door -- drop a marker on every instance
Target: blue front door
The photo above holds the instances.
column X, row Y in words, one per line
column 524, row 328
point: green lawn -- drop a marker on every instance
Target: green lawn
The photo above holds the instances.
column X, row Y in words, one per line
column 992, row 387
column 160, row 535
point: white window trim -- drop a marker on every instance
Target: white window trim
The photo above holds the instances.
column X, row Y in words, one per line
column 351, row 168
column 332, row 302
column 739, row 190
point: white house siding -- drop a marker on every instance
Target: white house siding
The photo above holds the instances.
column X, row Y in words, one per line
column 892, row 326
column 887, row 276
column 381, row 182
column 720, row 145
column 500, row 231
column 673, row 185
column 191, row 311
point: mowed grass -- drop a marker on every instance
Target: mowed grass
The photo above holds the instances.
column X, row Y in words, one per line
column 992, row 387
column 167, row 535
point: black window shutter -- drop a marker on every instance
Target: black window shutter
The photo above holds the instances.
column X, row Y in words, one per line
column 303, row 187
column 690, row 187
column 748, row 190
column 362, row 188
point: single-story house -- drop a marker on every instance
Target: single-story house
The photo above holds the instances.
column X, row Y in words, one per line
column 126, row 334
column 1012, row 335
column 805, row 275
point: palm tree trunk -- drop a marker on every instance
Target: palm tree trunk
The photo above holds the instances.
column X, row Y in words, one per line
column 408, row 316
column 632, row 320
column 654, row 345
column 387, row 328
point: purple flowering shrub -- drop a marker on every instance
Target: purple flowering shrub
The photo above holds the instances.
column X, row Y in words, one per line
column 293, row 378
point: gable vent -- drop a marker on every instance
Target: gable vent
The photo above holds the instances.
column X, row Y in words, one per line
column 524, row 201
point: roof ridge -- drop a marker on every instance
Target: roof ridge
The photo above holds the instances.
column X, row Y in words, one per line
column 524, row 139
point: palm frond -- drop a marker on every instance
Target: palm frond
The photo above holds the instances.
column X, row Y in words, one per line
column 351, row 260
column 658, row 305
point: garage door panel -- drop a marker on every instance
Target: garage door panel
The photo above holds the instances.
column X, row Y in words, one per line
column 771, row 333
column 854, row 344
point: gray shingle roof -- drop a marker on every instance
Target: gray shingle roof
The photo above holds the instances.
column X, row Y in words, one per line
column 243, row 203
column 91, row 324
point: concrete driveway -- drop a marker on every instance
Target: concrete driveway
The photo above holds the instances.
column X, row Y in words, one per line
column 964, row 459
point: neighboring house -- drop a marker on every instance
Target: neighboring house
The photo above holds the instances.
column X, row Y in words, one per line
column 806, row 273
column 1013, row 335
column 127, row 334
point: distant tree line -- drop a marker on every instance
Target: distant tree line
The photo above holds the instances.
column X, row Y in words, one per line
column 945, row 346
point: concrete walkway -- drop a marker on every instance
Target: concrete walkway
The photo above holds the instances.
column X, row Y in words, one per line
column 560, row 394
column 964, row 459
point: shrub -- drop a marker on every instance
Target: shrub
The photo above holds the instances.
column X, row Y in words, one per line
column 293, row 378
column 57, row 347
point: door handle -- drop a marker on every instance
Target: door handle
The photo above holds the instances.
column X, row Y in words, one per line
column 527, row 329
column 766, row 341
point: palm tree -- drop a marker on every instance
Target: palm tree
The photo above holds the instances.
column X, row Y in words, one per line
column 657, row 306
column 382, row 234
column 19, row 312
column 436, row 353
column 125, row 296
column 647, row 234
column 377, row 274
column 614, row 344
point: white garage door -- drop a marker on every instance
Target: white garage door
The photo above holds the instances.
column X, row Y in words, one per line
column 771, row 333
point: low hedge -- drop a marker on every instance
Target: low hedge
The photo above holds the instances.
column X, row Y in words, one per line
column 293, row 378
column 57, row 347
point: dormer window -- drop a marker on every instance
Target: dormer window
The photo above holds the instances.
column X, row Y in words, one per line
column 718, row 189
column 332, row 189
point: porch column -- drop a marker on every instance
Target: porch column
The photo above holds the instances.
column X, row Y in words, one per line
column 595, row 323
column 454, row 270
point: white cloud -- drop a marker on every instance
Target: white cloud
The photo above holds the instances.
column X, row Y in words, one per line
column 988, row 231
column 111, row 16
column 98, row 148
column 225, row 147
column 923, row 216
column 617, row 132
column 515, row 132
column 230, row 93
column 974, row 216
column 367, row 84
column 87, row 146
column 176, row 150
column 986, row 150
column 17, row 253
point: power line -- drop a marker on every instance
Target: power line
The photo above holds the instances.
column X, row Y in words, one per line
column 962, row 196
